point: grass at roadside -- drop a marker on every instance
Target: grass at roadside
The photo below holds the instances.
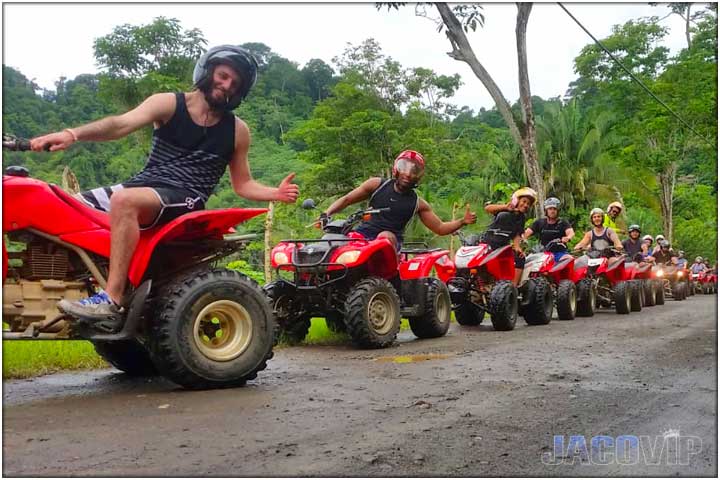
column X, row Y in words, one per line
column 27, row 358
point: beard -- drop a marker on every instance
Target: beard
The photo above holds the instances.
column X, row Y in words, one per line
column 216, row 104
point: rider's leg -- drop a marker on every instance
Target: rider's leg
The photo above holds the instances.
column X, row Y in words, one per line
column 519, row 266
column 129, row 208
column 390, row 236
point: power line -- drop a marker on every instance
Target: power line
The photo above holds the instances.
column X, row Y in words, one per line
column 637, row 80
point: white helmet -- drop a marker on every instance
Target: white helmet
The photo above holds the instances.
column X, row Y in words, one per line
column 659, row 237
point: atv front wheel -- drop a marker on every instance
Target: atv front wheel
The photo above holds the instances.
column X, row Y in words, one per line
column 504, row 305
column 649, row 293
column 292, row 328
column 659, row 292
column 435, row 320
column 678, row 292
column 373, row 313
column 538, row 310
column 636, row 296
column 566, row 300
column 587, row 298
column 128, row 356
column 623, row 294
column 335, row 323
column 467, row 314
column 213, row 329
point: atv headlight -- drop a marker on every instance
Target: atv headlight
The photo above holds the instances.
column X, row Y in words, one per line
column 281, row 258
column 679, row 274
column 348, row 257
column 660, row 273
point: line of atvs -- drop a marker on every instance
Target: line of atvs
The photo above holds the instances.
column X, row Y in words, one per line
column 364, row 288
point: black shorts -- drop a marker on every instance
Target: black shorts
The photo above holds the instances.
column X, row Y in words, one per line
column 174, row 201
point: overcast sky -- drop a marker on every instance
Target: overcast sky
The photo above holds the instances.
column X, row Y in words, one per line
column 47, row 41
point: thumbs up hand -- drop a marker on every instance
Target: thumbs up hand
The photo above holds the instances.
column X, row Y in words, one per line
column 469, row 217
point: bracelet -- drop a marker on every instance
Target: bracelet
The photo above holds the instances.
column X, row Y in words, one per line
column 75, row 138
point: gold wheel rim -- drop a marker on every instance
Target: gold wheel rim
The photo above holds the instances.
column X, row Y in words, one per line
column 222, row 330
column 443, row 308
column 381, row 313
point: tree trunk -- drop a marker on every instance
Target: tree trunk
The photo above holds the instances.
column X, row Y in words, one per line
column 525, row 139
column 268, row 233
column 687, row 24
column 667, row 190
column 462, row 51
column 530, row 156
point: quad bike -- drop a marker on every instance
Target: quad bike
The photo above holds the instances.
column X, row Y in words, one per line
column 199, row 326
column 483, row 283
column 359, row 286
column 560, row 277
column 696, row 280
column 672, row 280
column 644, row 287
column 605, row 282
column 706, row 282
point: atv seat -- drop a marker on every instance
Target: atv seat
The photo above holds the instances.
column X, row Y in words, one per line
column 613, row 263
column 100, row 218
column 581, row 262
column 561, row 265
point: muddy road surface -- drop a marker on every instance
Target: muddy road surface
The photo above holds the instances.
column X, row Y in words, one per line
column 474, row 403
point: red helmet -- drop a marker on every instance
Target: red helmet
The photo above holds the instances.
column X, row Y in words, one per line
column 409, row 161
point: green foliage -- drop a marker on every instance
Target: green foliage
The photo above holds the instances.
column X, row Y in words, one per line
column 337, row 125
column 245, row 268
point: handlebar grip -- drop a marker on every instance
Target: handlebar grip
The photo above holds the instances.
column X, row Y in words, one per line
column 16, row 144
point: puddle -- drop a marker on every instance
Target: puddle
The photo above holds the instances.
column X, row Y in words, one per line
column 413, row 358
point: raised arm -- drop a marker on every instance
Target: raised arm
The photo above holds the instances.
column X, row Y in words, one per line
column 241, row 178
column 437, row 226
column 156, row 109
column 494, row 209
column 354, row 196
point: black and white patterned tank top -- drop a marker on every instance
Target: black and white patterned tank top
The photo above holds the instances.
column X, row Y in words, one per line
column 187, row 155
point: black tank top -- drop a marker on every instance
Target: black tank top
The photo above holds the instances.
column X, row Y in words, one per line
column 187, row 155
column 600, row 242
column 403, row 206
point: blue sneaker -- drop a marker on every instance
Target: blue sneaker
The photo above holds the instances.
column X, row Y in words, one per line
column 98, row 307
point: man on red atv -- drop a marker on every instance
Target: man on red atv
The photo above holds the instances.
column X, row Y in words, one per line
column 599, row 237
column 196, row 136
column 397, row 193
column 508, row 225
column 552, row 228
column 636, row 249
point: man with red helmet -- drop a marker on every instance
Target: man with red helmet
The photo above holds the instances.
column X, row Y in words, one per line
column 397, row 193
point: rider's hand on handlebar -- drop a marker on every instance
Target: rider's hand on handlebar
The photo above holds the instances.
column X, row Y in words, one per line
column 52, row 142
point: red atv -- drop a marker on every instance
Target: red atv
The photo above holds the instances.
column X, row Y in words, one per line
column 358, row 285
column 483, row 283
column 673, row 280
column 605, row 282
column 199, row 326
column 559, row 277
column 644, row 287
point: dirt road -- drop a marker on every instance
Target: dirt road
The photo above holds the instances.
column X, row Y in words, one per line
column 474, row 403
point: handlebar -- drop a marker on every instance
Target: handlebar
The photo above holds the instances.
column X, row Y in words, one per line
column 15, row 144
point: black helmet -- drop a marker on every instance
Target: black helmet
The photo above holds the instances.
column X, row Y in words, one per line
column 237, row 58
column 664, row 244
column 634, row 227
column 551, row 202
